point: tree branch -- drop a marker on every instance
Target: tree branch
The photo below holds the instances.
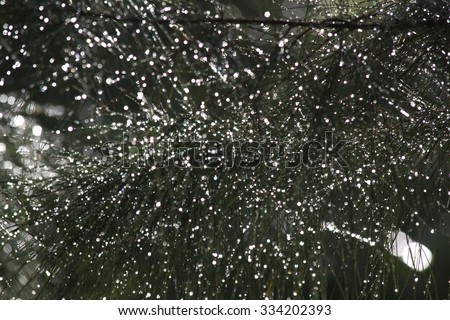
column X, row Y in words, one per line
column 393, row 25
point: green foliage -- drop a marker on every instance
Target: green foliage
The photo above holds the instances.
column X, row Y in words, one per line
column 90, row 210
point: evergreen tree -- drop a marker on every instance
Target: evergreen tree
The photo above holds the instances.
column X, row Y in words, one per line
column 224, row 149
